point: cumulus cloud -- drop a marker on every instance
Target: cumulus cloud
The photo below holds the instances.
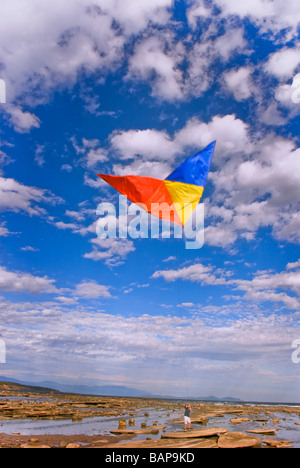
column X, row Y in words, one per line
column 284, row 62
column 282, row 287
column 271, row 17
column 15, row 196
column 196, row 273
column 160, row 61
column 22, row 121
column 159, row 150
column 47, row 45
column 112, row 251
column 90, row 151
column 25, row 282
column 150, row 143
column 268, row 286
column 238, row 82
column 126, row 349
column 3, row 230
column 255, row 177
column 91, row 290
column 151, row 62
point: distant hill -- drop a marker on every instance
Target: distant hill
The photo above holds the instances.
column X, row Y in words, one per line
column 101, row 390
column 18, row 387
column 53, row 387
column 104, row 390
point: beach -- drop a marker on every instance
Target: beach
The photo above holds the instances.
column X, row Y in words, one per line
column 54, row 420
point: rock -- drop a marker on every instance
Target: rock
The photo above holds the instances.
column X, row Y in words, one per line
column 239, row 420
column 71, row 445
column 154, row 426
column 34, row 446
column 277, row 443
column 210, row 442
column 134, row 431
column 131, row 422
column 237, row 440
column 275, row 420
column 210, row 432
column 262, row 431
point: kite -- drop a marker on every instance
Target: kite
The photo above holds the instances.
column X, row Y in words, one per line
column 173, row 199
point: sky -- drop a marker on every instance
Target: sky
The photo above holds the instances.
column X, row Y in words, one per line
column 135, row 87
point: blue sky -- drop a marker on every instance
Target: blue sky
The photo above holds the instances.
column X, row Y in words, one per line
column 135, row 87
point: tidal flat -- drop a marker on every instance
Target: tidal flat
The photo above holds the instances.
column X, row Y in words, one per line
column 55, row 420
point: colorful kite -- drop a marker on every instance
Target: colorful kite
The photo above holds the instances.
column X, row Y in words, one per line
column 173, row 199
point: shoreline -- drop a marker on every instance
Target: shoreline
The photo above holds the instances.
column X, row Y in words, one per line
column 214, row 424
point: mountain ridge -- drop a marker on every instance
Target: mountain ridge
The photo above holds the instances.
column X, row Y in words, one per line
column 101, row 390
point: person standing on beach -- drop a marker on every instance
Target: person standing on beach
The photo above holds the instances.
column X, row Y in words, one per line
column 187, row 420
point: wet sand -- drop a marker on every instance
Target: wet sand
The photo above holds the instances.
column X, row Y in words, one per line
column 129, row 422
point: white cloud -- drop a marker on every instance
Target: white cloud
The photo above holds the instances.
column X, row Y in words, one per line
column 195, row 273
column 284, row 62
column 22, row 121
column 156, row 169
column 151, row 144
column 271, row 17
column 29, row 248
column 125, row 348
column 64, row 226
column 4, row 159
column 158, row 61
column 156, row 150
column 292, row 265
column 66, row 168
column 272, row 115
column 238, row 82
column 274, row 171
column 267, row 287
column 47, row 45
column 112, row 251
column 135, row 15
column 91, row 290
column 39, row 155
column 230, row 43
column 197, row 10
column 287, row 96
column 255, row 177
column 264, row 286
column 220, row 234
column 231, row 134
column 15, row 196
column 152, row 63
column 25, row 282
column 3, row 230
column 90, row 151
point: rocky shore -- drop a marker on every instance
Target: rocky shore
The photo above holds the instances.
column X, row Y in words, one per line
column 208, row 427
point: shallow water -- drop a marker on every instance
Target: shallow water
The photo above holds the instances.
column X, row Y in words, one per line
column 90, row 426
column 286, row 428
